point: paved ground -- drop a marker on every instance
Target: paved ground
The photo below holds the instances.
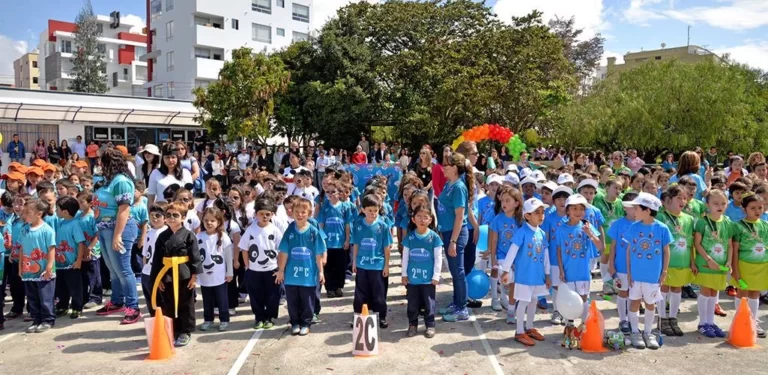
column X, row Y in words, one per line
column 100, row 345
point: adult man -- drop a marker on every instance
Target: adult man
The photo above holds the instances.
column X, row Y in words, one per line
column 364, row 144
column 634, row 162
column 16, row 151
column 381, row 153
column 79, row 147
column 243, row 159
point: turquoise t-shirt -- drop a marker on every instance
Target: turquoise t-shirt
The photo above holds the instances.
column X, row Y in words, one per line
column 453, row 196
column 107, row 199
column 140, row 213
column 572, row 242
column 505, row 228
column 6, row 220
column 302, row 248
column 421, row 256
column 646, row 250
column 35, row 244
column 14, row 230
column 88, row 225
column 335, row 219
column 69, row 235
column 371, row 239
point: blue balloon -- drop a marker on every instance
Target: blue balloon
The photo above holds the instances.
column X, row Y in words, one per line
column 482, row 241
column 478, row 284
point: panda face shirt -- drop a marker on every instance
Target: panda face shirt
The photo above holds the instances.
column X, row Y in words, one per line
column 261, row 246
column 216, row 259
column 149, row 248
column 192, row 222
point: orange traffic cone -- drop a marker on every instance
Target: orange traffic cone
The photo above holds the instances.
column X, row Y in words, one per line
column 161, row 347
column 364, row 312
column 742, row 333
column 592, row 338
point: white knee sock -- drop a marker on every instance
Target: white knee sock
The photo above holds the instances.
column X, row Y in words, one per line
column 634, row 320
column 621, row 305
column 604, row 272
column 494, row 287
column 520, row 315
column 712, row 301
column 674, row 304
column 701, row 305
column 554, row 300
column 585, row 312
column 649, row 316
column 661, row 305
column 754, row 305
column 593, row 264
column 531, row 315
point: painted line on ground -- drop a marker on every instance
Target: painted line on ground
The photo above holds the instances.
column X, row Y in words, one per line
column 488, row 351
column 245, row 353
column 8, row 336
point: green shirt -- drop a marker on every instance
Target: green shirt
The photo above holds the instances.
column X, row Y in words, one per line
column 715, row 238
column 695, row 208
column 682, row 237
column 752, row 238
column 611, row 212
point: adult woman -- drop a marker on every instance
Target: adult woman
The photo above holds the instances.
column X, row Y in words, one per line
column 469, row 150
column 41, row 152
column 261, row 160
column 754, row 159
column 703, row 163
column 504, row 155
column 117, row 233
column 75, row 157
column 580, row 162
column 53, row 152
column 151, row 157
column 278, row 158
column 689, row 166
column 617, row 163
column 332, row 156
column 218, row 171
column 64, row 152
column 599, row 159
column 438, row 177
column 170, row 172
column 669, row 162
column 343, row 157
column 359, row 157
column 190, row 163
column 405, row 160
column 423, row 170
column 482, row 163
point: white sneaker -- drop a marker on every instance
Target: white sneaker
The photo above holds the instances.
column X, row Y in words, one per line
column 557, row 319
column 232, row 312
column 495, row 304
column 504, row 303
column 650, row 341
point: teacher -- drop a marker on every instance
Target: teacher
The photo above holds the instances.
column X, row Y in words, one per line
column 469, row 150
column 170, row 172
column 117, row 233
column 689, row 166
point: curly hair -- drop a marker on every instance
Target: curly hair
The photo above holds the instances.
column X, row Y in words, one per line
column 113, row 163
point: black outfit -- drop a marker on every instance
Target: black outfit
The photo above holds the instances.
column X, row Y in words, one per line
column 53, row 154
column 264, row 294
column 424, row 174
column 421, row 297
column 335, row 269
column 69, row 285
column 262, row 162
column 177, row 244
column 64, row 152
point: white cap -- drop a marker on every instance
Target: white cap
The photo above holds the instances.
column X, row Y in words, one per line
column 549, row 185
column 494, row 178
column 477, row 171
column 511, row 168
column 587, row 182
column 512, row 179
column 562, row 189
column 576, row 199
column 646, row 200
column 564, row 179
column 528, row 180
column 539, row 175
column 525, row 172
column 152, row 149
column 532, row 205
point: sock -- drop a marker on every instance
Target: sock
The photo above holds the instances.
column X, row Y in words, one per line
column 648, row 327
column 592, row 264
column 520, row 315
column 674, row 303
column 754, row 305
column 512, row 307
column 634, row 320
column 554, row 301
column 494, row 287
column 701, row 304
column 662, row 305
column 585, row 312
column 711, row 309
column 621, row 305
column 531, row 315
column 604, row 272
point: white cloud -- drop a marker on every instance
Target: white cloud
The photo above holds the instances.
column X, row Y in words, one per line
column 321, row 14
column 753, row 53
column 639, row 14
column 588, row 13
column 10, row 50
column 726, row 14
column 606, row 54
column 134, row 20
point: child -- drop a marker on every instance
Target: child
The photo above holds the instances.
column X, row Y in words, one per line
column 90, row 268
column 712, row 238
column 177, row 242
column 693, row 207
column 37, row 266
column 509, row 216
column 611, row 209
column 139, row 213
column 216, row 255
column 370, row 260
column 49, row 172
column 650, row 187
column 259, row 243
column 70, row 249
column 66, row 188
column 191, row 221
column 301, row 253
column 12, row 241
column 749, row 260
column 647, row 250
column 422, row 253
column 212, row 192
column 157, row 226
column 47, row 193
column 34, row 176
column 734, row 210
column 14, row 181
column 680, row 225
column 617, row 261
column 75, row 179
column 530, row 257
column 86, row 181
column 528, row 185
column 588, row 189
column 304, row 187
column 552, row 221
column 486, row 203
column 334, row 220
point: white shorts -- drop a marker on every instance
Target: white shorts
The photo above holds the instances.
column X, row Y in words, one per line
column 555, row 276
column 649, row 293
column 580, row 287
column 621, row 282
column 526, row 293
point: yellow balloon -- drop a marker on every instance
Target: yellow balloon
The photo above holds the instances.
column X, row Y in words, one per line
column 1, row 138
column 454, row 146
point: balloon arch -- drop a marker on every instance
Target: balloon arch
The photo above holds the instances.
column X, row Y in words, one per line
column 493, row 132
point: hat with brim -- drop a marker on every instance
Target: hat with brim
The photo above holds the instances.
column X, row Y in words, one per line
column 528, row 180
column 495, row 178
column 14, row 176
column 35, row 170
column 587, row 182
column 551, row 186
column 644, row 200
column 39, row 163
column 576, row 199
column 564, row 179
column 152, row 149
column 49, row 168
column 532, row 205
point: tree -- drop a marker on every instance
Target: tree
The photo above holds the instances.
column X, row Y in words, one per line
column 88, row 62
column 584, row 55
column 241, row 103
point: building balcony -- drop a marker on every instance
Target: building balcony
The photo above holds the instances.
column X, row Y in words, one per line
column 208, row 68
column 208, row 35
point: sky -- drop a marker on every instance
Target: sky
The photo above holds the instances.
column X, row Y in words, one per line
column 736, row 27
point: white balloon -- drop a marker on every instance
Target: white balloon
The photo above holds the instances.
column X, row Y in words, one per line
column 569, row 303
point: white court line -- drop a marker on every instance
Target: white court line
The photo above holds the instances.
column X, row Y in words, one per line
column 245, row 353
column 8, row 336
column 486, row 346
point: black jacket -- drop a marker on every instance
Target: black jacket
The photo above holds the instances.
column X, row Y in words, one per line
column 170, row 244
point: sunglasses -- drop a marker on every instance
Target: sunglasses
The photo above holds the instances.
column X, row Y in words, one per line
column 173, row 215
column 156, row 215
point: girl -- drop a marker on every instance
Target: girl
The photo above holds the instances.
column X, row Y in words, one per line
column 650, row 187
column 212, row 192
column 712, row 238
column 334, row 219
column 75, row 179
column 422, row 253
column 693, row 207
column 486, row 204
column 235, row 287
column 216, row 258
column 529, row 256
column 236, row 196
column 402, row 218
column 680, row 225
column 171, row 172
column 749, row 260
column 508, row 209
column 12, row 241
column 191, row 222
column 636, row 183
column 34, row 176
column 38, row 257
column 14, row 181
column 663, row 181
column 735, row 169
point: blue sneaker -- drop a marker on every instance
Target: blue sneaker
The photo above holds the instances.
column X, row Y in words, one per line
column 706, row 330
column 542, row 304
column 447, row 309
column 457, row 315
column 718, row 332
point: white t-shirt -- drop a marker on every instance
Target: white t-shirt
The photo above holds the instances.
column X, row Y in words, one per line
column 132, row 169
column 192, row 222
column 261, row 245
column 149, row 248
column 289, row 173
column 199, row 207
column 216, row 260
column 281, row 219
column 322, row 163
column 218, row 168
column 158, row 182
column 242, row 160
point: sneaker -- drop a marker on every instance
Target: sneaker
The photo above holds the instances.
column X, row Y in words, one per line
column 760, row 331
column 542, row 304
column 339, row 293
column 624, row 327
column 511, row 319
column 304, row 331
column 268, row 324
column 330, row 294
column 183, row 340
column 718, row 332
column 61, row 312
column 131, row 316
column 412, row 331
column 688, row 290
column 474, row 304
column 706, row 330
column 557, row 319
column 315, row 319
column 12, row 315
column 731, row 291
column 295, row 329
column 110, row 308
column 90, row 305
column 282, row 302
column 107, row 292
column 524, row 339
column 534, row 334
column 665, row 327
column 223, row 326
column 608, row 288
column 42, row 328
column 430, row 332
column 495, row 304
column 637, row 340
column 75, row 314
column 215, row 311
column 719, row 311
column 675, row 328
column 504, row 303
column 259, row 325
column 206, row 326
column 457, row 315
column 447, row 309
column 650, row 341
column 32, row 328
column 232, row 312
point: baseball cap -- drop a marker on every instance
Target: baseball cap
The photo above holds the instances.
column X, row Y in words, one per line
column 512, row 179
column 18, row 167
column 532, row 205
column 562, row 189
column 528, row 180
column 564, row 179
column 35, row 170
column 645, row 200
column 18, row 176
column 576, row 199
column 511, row 168
column 494, row 178
column 81, row 164
column 39, row 163
column 587, row 182
column 525, row 172
column 49, row 167
column 549, row 185
column 122, row 149
column 539, row 175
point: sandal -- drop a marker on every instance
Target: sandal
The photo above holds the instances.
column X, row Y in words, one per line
column 524, row 339
column 535, row 334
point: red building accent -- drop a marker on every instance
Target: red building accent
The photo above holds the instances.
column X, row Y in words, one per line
column 54, row 26
column 127, row 54
column 139, row 38
column 149, row 47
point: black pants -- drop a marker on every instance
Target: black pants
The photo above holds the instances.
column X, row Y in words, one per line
column 40, row 295
column 421, row 297
column 469, row 253
column 18, row 289
column 214, row 296
column 301, row 301
column 350, row 254
column 233, row 290
column 106, row 282
column 146, row 288
column 91, row 275
column 318, row 292
column 184, row 322
column 370, row 289
column 263, row 293
column 137, row 264
column 69, row 286
column 336, row 269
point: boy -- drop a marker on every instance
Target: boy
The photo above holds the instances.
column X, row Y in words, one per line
column 588, row 189
column 157, row 224
column 139, row 213
column 86, row 182
column 66, row 188
column 90, row 268
column 47, row 193
column 647, row 247
column 70, row 249
column 552, row 222
column 178, row 244
column 528, row 186
column 259, row 243
column 301, row 252
column 611, row 209
column 617, row 262
column 304, row 187
column 734, row 210
column 12, row 241
column 334, row 219
column 37, row 265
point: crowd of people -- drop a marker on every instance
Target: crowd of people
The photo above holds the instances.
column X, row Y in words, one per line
column 279, row 226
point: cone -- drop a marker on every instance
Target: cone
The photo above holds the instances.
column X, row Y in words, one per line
column 364, row 312
column 592, row 338
column 742, row 333
column 160, row 348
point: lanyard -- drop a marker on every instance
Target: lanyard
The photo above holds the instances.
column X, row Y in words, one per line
column 672, row 218
column 750, row 227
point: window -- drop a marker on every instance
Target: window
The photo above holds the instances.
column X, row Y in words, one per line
column 66, row 46
column 280, row 32
column 157, row 91
column 169, row 30
column 125, row 74
column 300, row 37
column 100, row 28
column 101, row 47
column 203, row 53
column 262, row 33
column 263, row 6
column 168, row 5
column 281, row 3
column 34, row 80
column 235, row 24
column 169, row 60
column 300, row 13
column 202, row 21
column 156, row 7
column 34, row 64
column 170, row 90
column 140, row 51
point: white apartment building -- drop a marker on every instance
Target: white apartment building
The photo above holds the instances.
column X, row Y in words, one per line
column 121, row 44
column 191, row 39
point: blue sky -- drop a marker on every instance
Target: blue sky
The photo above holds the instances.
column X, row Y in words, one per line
column 738, row 27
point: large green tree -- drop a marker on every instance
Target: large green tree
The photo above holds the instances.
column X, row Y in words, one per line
column 88, row 62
